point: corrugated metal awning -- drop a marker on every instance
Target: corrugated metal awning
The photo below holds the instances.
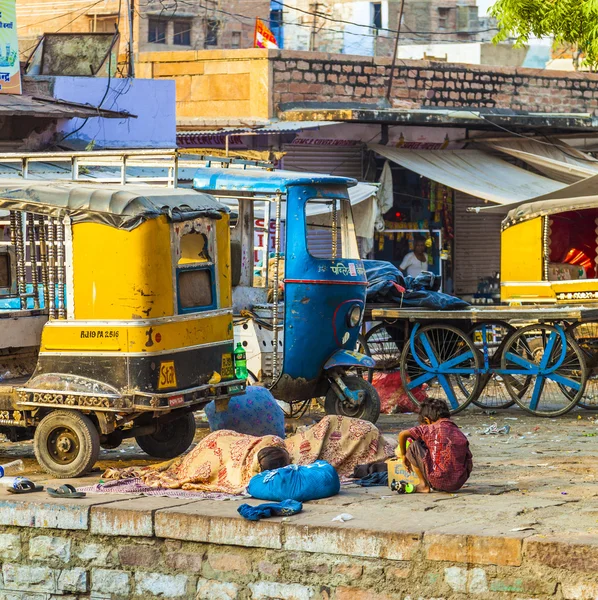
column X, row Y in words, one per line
column 473, row 172
column 30, row 106
column 272, row 128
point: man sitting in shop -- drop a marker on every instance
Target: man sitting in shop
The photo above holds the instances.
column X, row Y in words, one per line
column 417, row 261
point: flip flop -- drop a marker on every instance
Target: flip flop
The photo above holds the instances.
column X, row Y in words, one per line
column 65, row 491
column 24, row 486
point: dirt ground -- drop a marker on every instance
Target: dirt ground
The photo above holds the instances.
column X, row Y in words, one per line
column 541, row 476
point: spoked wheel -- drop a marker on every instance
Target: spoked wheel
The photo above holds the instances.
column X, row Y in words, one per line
column 586, row 335
column 384, row 344
column 545, row 368
column 443, row 361
column 489, row 338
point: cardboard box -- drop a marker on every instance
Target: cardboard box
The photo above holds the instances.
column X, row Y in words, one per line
column 397, row 472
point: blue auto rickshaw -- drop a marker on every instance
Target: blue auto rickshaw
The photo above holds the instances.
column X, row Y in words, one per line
column 299, row 286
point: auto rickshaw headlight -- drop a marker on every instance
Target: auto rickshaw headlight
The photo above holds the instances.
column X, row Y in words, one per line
column 354, row 316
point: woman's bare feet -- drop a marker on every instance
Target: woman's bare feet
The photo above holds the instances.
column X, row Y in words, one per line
column 422, row 488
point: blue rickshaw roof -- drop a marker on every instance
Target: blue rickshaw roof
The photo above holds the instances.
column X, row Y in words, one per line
column 261, row 181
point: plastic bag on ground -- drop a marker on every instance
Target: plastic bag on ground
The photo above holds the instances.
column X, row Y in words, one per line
column 393, row 397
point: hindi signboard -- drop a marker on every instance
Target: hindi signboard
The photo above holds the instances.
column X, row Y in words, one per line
column 10, row 71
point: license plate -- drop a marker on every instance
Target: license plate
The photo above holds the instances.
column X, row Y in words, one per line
column 167, row 375
column 226, row 368
column 176, row 401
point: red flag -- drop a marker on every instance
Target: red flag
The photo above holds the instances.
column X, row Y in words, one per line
column 263, row 38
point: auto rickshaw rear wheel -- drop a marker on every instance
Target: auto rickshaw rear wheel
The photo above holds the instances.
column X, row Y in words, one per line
column 368, row 410
column 66, row 444
column 170, row 439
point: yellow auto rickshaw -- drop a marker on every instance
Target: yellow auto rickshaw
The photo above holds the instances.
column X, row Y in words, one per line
column 549, row 252
column 116, row 318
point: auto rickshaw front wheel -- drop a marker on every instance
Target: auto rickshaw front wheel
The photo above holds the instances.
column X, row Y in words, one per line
column 66, row 444
column 170, row 439
column 369, row 407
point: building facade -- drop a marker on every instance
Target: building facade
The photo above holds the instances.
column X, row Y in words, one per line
column 367, row 28
column 157, row 25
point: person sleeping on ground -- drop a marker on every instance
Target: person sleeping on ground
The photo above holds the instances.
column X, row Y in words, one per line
column 225, row 461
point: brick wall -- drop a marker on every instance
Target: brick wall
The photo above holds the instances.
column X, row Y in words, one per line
column 312, row 77
column 146, row 548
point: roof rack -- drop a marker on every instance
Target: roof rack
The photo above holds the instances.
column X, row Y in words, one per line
column 161, row 167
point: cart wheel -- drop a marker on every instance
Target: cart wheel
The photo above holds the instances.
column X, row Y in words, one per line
column 384, row 343
column 368, row 410
column 441, row 361
column 66, row 444
column 171, row 439
column 586, row 335
column 545, row 368
column 489, row 338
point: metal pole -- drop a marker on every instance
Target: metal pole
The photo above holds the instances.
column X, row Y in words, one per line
column 21, row 268
column 312, row 38
column 32, row 239
column 51, row 270
column 396, row 51
column 60, row 268
column 131, row 14
column 275, row 290
column 43, row 253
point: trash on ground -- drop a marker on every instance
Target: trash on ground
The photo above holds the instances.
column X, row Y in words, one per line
column 495, row 430
column 342, row 518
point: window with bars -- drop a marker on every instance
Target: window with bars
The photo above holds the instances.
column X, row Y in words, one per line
column 182, row 33
column 212, row 26
column 156, row 33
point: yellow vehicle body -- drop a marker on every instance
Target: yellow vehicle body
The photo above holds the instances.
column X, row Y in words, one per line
column 549, row 253
column 127, row 317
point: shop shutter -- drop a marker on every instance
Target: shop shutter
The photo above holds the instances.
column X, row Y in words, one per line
column 344, row 161
column 476, row 245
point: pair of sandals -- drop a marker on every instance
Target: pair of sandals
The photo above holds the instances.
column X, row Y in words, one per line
column 26, row 486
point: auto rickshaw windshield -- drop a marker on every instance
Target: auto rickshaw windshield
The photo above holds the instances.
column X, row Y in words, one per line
column 330, row 229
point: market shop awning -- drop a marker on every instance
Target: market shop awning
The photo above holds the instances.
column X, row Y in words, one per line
column 473, row 172
column 30, row 106
column 586, row 188
column 552, row 157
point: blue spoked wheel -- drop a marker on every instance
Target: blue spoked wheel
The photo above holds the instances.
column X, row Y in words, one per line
column 441, row 361
column 545, row 370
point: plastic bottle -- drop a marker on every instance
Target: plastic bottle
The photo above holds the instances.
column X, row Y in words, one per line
column 12, row 468
column 240, row 362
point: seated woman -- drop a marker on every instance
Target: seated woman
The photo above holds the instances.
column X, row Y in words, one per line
column 225, row 461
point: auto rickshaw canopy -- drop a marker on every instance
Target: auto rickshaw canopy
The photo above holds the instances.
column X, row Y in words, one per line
column 542, row 208
column 121, row 207
column 260, row 181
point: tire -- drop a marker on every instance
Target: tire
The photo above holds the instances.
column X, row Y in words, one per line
column 66, row 444
column 171, row 439
column 586, row 335
column 369, row 410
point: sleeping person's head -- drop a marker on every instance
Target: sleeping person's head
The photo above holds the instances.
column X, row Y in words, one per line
column 273, row 457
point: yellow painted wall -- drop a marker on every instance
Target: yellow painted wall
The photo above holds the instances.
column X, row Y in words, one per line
column 214, row 83
column 123, row 274
column 521, row 252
